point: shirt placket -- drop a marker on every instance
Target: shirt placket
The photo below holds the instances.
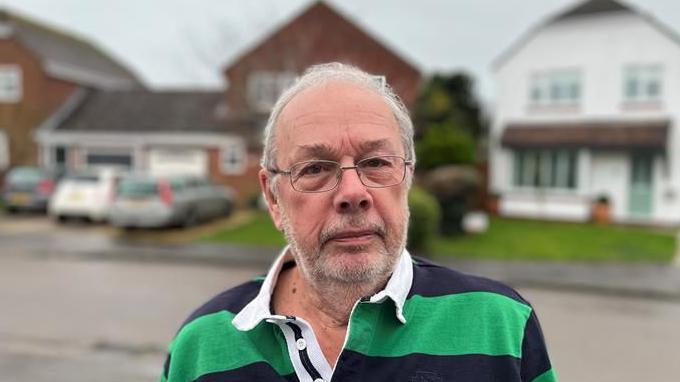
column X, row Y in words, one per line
column 303, row 349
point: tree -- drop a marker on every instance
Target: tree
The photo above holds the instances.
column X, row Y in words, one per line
column 449, row 98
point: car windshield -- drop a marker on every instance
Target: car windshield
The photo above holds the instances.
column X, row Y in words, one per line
column 25, row 175
column 83, row 178
column 137, row 187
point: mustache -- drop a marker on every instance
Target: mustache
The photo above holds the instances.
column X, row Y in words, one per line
column 351, row 224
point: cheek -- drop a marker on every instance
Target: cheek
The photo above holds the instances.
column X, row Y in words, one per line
column 307, row 215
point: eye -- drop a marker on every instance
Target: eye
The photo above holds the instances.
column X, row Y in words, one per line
column 376, row 162
column 314, row 168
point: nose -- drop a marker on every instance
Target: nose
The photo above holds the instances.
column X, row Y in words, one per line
column 351, row 195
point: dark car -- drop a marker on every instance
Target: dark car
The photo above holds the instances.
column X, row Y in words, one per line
column 29, row 188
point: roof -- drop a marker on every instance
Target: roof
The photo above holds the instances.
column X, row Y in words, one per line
column 651, row 134
column 67, row 56
column 592, row 7
column 319, row 5
column 585, row 8
column 146, row 111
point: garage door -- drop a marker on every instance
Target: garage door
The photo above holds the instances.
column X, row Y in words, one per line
column 170, row 161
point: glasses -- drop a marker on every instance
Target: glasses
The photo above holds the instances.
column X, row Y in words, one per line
column 325, row 175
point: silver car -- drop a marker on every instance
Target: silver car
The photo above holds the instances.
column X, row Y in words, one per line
column 148, row 202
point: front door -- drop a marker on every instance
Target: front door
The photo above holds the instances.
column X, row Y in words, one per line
column 641, row 185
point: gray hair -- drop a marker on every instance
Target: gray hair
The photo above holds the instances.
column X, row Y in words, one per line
column 323, row 73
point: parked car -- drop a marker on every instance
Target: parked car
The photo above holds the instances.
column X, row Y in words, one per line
column 86, row 194
column 148, row 202
column 29, row 188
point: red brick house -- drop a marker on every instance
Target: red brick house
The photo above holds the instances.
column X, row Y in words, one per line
column 40, row 68
column 318, row 34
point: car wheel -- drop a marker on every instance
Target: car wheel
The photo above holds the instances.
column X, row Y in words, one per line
column 190, row 219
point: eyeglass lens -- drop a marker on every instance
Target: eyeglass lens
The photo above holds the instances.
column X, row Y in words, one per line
column 321, row 175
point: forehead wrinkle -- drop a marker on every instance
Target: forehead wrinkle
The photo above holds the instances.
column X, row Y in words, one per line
column 316, row 150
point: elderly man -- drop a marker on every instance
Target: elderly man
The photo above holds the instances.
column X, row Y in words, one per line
column 345, row 301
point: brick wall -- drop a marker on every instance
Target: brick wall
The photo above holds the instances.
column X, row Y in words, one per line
column 41, row 96
column 247, row 184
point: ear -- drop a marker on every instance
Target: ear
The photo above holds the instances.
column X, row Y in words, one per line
column 272, row 201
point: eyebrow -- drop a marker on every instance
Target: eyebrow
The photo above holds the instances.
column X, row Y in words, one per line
column 324, row 151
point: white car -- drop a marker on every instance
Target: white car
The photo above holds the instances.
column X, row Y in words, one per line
column 86, row 195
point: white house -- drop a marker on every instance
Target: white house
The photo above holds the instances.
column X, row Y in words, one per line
column 588, row 107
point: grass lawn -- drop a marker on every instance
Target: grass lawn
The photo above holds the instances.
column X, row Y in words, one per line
column 513, row 239
column 259, row 230
column 510, row 239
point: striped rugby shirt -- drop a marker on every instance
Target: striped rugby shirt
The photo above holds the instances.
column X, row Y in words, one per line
column 429, row 324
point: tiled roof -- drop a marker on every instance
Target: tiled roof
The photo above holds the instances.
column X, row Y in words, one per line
column 67, row 56
column 146, row 111
column 605, row 135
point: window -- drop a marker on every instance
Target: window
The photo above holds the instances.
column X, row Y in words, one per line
column 233, row 159
column 555, row 88
column 642, row 83
column 554, row 169
column 265, row 87
column 10, row 83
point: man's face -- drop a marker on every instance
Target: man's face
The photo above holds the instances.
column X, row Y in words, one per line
column 351, row 234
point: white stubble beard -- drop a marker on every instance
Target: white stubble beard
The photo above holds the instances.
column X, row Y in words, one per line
column 322, row 269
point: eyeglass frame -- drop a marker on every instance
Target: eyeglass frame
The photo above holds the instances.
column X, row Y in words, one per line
column 341, row 168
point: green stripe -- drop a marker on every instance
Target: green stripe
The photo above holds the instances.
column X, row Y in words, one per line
column 466, row 323
column 548, row 376
column 202, row 346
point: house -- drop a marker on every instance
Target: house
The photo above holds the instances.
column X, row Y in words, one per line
column 160, row 133
column 40, row 68
column 318, row 34
column 587, row 109
column 213, row 134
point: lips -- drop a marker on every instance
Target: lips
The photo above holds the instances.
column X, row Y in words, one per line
column 353, row 237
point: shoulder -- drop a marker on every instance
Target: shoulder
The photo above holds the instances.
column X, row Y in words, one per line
column 433, row 280
column 227, row 303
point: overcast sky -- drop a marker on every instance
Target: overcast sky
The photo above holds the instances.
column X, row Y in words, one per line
column 185, row 43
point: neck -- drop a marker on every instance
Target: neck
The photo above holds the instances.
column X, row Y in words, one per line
column 324, row 301
column 336, row 300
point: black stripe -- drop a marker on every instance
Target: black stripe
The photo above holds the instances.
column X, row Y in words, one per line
column 304, row 357
column 354, row 366
column 533, row 348
column 431, row 280
column 232, row 300
column 260, row 371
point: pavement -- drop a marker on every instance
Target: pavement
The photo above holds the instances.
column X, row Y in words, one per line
column 632, row 279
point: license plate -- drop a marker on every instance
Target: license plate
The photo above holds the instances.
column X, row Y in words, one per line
column 137, row 203
column 75, row 196
column 20, row 199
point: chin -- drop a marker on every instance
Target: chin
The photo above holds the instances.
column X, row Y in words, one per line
column 355, row 264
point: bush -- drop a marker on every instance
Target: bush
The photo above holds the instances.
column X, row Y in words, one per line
column 424, row 221
column 444, row 144
column 456, row 188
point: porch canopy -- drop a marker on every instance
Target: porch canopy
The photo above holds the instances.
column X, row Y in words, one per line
column 647, row 135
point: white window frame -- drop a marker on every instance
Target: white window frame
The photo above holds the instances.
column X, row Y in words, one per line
column 4, row 150
column 228, row 166
column 264, row 87
column 556, row 88
column 644, row 76
column 543, row 162
column 11, row 74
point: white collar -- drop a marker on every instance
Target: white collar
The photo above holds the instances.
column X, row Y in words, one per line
column 397, row 289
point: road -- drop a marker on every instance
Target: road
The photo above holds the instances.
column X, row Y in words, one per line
column 78, row 319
